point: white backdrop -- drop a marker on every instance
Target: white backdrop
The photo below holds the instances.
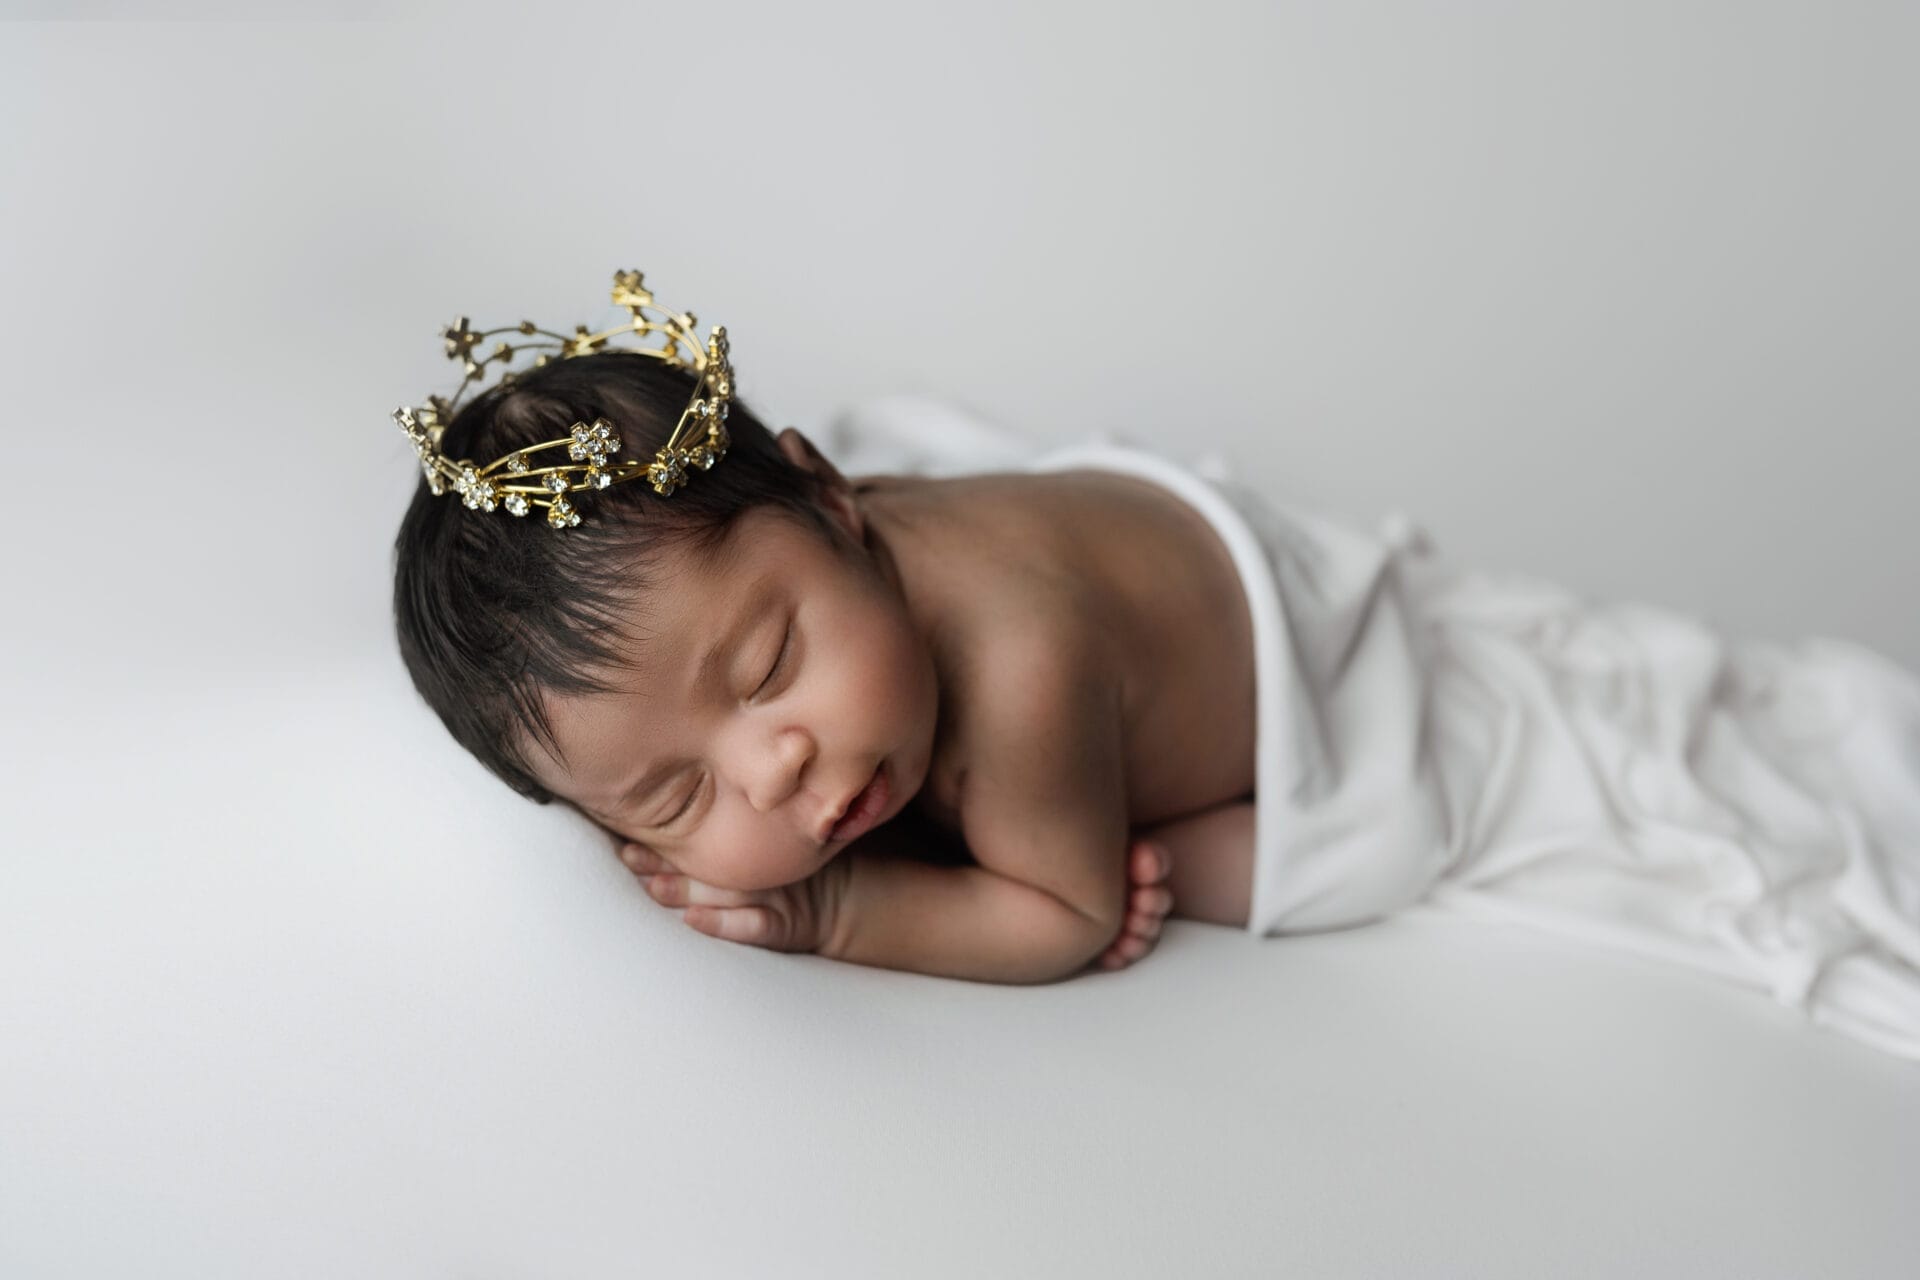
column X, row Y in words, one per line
column 1620, row 295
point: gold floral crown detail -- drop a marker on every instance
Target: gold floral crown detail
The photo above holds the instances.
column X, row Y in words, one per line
column 699, row 439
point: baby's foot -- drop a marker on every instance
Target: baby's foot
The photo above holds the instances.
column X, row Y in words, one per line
column 1148, row 902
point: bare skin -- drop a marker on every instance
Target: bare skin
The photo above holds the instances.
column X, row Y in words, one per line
column 1186, row 663
column 1211, row 854
column 1150, row 898
column 1056, row 670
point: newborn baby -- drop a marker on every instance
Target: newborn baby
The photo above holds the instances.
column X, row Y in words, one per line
column 900, row 721
column 995, row 725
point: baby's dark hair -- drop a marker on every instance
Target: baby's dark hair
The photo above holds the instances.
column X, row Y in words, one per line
column 492, row 608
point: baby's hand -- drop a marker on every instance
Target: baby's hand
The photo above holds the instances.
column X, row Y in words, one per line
column 1148, row 901
column 795, row 917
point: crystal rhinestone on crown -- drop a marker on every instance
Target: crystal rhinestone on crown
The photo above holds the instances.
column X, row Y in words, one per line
column 698, row 441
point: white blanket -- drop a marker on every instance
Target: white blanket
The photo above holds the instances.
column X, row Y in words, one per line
column 1493, row 745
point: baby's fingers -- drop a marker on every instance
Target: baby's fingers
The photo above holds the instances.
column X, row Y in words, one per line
column 760, row 926
column 683, row 891
column 755, row 926
column 643, row 861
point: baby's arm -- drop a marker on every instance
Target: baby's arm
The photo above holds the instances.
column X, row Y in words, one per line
column 960, row 922
column 797, row 917
column 1043, row 812
column 1148, row 865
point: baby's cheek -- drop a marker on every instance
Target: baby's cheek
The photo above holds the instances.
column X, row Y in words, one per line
column 738, row 852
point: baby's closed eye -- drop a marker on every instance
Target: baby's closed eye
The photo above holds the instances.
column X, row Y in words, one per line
column 780, row 660
column 686, row 805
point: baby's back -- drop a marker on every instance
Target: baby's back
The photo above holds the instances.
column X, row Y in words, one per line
column 1118, row 567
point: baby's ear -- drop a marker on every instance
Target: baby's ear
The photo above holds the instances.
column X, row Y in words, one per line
column 800, row 452
column 839, row 494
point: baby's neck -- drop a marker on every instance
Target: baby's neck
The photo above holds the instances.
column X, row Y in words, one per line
column 909, row 526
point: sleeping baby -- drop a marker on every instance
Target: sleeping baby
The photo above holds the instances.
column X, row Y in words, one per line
column 995, row 725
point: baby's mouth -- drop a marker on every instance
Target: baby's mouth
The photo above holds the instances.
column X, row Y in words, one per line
column 863, row 810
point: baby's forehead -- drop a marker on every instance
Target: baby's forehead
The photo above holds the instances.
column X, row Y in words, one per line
column 757, row 541
column 701, row 587
column 686, row 609
column 668, row 642
column 587, row 734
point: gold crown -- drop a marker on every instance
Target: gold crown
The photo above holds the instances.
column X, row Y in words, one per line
column 699, row 439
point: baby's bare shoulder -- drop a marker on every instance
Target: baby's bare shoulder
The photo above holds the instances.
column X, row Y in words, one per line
column 1009, row 538
column 1037, row 576
column 1034, row 675
column 1075, row 586
column 1043, row 797
column 1025, row 661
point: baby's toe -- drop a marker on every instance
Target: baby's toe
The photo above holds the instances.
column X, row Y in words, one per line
column 1151, row 907
column 1150, row 864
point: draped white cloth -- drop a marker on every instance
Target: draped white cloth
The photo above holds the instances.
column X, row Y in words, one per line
column 1495, row 746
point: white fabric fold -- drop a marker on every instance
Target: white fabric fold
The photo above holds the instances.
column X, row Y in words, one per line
column 1493, row 746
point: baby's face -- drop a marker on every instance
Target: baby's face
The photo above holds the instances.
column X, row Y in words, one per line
column 737, row 772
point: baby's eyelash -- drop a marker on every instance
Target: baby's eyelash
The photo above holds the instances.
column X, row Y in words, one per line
column 681, row 812
column 786, row 646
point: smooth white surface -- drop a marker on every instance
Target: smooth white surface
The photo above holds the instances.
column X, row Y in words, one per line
column 1619, row 296
column 333, row 1031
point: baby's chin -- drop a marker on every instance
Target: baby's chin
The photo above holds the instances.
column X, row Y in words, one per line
column 906, row 779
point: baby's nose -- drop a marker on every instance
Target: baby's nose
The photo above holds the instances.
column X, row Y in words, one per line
column 784, row 762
